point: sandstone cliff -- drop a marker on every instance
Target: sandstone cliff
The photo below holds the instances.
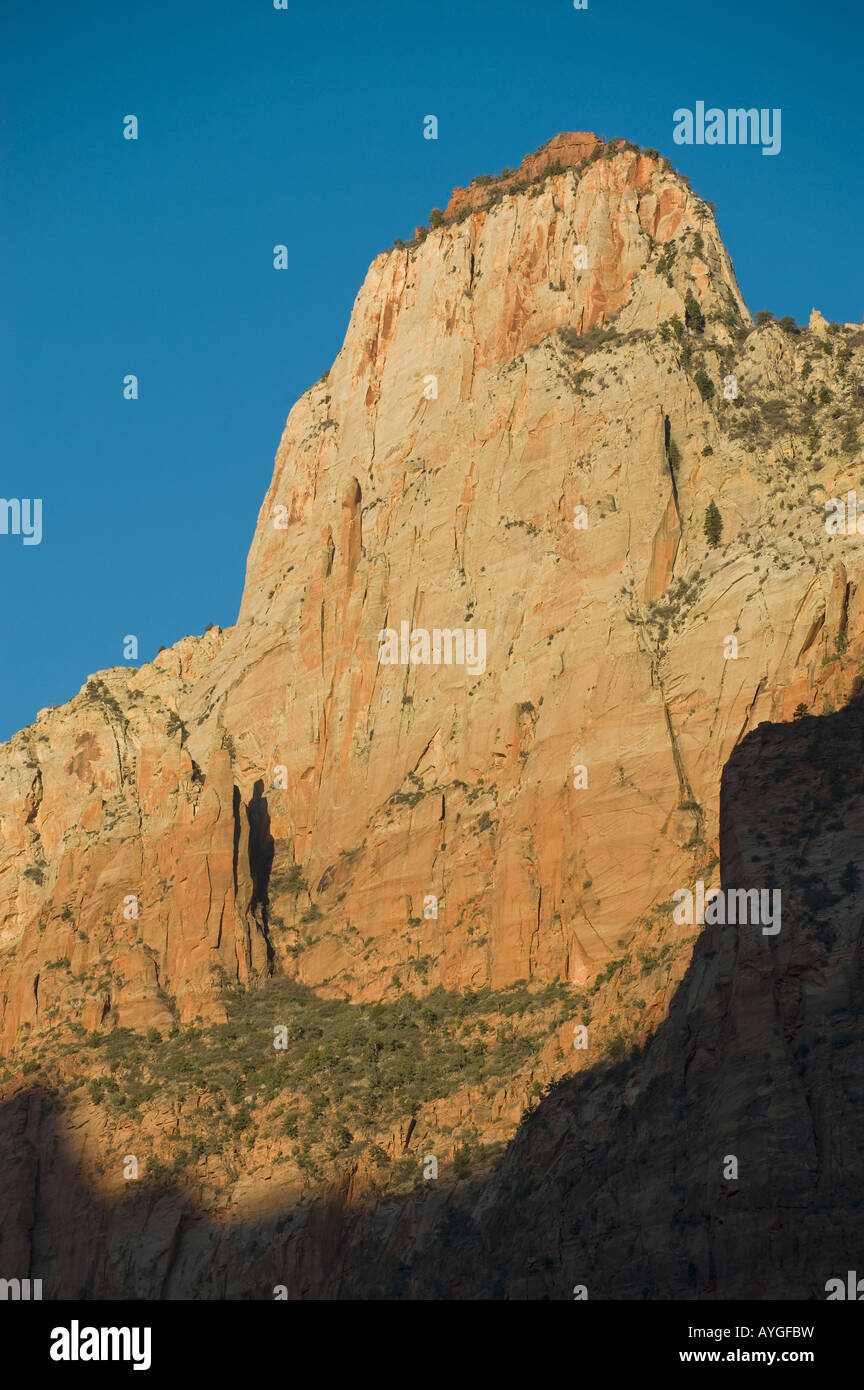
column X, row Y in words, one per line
column 521, row 434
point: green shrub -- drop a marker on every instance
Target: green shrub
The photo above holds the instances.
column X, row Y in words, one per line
column 713, row 524
column 693, row 315
column 175, row 725
column 704, row 383
column 775, row 413
column 462, row 1161
column 289, row 880
column 665, row 261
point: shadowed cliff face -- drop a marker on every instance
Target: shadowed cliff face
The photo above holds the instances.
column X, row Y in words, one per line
column 616, row 1180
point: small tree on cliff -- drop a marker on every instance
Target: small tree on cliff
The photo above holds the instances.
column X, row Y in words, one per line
column 693, row 316
column 713, row 524
column 705, row 384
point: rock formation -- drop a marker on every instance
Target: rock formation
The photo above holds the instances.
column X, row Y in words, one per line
column 535, row 404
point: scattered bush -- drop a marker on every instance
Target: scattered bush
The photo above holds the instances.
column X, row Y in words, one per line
column 693, row 315
column 713, row 524
column 704, row 383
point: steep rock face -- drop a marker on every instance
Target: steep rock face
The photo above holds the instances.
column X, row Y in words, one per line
column 274, row 797
column 448, row 510
column 533, row 407
column 620, row 1179
column 122, row 871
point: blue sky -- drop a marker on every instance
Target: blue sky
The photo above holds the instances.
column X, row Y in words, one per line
column 304, row 127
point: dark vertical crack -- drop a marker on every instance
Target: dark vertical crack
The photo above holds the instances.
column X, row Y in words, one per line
column 236, row 849
column 34, row 796
column 844, row 612
column 535, row 934
column 261, row 847
column 667, row 440
column 684, row 787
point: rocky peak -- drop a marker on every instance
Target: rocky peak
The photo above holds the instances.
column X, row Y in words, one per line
column 534, row 408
